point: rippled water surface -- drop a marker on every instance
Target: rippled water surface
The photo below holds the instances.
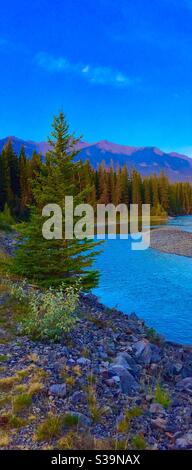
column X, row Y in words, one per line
column 156, row 286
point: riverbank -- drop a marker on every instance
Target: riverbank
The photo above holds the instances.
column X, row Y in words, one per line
column 111, row 383
column 172, row 240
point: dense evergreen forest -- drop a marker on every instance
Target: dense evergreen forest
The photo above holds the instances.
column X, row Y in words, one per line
column 17, row 174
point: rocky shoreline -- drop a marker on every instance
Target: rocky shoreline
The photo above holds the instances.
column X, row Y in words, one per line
column 122, row 362
column 112, row 383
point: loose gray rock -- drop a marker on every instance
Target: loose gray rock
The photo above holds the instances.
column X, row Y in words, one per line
column 156, row 408
column 159, row 423
column 128, row 383
column 125, row 360
column 83, row 361
column 185, row 442
column 78, row 397
column 185, row 385
column 58, row 389
column 147, row 352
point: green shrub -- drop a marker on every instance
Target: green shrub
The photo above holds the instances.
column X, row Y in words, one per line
column 18, row 290
column 50, row 313
column 153, row 336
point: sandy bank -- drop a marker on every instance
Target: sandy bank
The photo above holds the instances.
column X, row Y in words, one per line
column 171, row 240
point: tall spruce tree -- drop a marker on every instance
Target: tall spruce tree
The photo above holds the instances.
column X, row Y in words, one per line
column 50, row 262
column 24, row 182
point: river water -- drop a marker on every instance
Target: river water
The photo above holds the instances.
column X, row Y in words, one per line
column 156, row 286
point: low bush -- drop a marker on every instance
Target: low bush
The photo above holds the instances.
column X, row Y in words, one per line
column 49, row 314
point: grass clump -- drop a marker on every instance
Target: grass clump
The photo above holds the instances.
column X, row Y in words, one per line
column 162, row 397
column 34, row 388
column 20, row 402
column 70, row 381
column 83, row 441
column 3, row 358
column 4, row 400
column 121, row 444
column 124, row 424
column 53, row 426
column 9, row 421
column 4, row 439
column 16, row 422
column 49, row 429
column 138, row 442
column 7, row 383
column 70, row 420
column 96, row 411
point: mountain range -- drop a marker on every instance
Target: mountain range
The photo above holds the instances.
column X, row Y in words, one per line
column 147, row 160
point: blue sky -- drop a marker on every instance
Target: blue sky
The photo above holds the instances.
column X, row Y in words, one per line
column 121, row 70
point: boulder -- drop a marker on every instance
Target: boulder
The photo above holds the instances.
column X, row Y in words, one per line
column 125, row 360
column 172, row 369
column 127, row 382
column 146, row 352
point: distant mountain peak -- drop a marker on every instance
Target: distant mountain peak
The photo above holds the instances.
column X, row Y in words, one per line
column 146, row 160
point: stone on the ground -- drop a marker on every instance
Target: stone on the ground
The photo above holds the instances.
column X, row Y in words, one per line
column 58, row 390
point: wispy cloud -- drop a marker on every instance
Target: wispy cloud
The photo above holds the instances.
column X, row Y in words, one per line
column 51, row 63
column 106, row 75
column 98, row 75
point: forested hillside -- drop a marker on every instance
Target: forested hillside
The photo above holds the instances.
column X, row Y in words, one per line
column 17, row 174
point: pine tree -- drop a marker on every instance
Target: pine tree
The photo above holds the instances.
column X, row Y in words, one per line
column 6, row 191
column 2, row 187
column 147, row 191
column 155, row 192
column 118, row 187
column 104, row 196
column 136, row 189
column 124, row 185
column 24, row 182
column 50, row 262
column 164, row 191
column 112, row 183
